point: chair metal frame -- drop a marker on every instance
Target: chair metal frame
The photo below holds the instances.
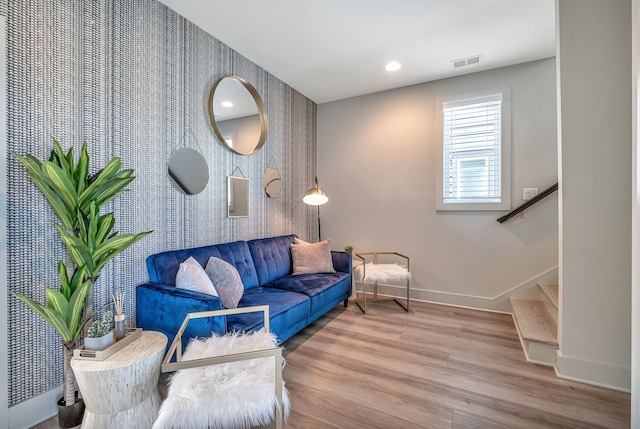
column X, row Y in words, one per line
column 176, row 349
column 376, row 298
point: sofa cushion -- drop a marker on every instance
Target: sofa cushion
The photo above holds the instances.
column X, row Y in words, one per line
column 272, row 257
column 310, row 258
column 287, row 312
column 191, row 276
column 320, row 288
column 163, row 266
column 226, row 280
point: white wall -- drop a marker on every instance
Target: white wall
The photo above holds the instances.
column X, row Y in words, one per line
column 594, row 93
column 376, row 161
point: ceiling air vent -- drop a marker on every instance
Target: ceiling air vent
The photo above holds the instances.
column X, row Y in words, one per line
column 466, row 61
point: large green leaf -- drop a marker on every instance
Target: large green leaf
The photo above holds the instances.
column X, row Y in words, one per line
column 65, row 286
column 117, row 243
column 58, row 302
column 49, row 315
column 62, row 182
column 81, row 173
column 62, row 160
column 59, row 206
column 77, row 249
column 101, row 179
column 78, row 278
column 92, row 232
column 105, row 192
column 76, row 305
column 105, row 225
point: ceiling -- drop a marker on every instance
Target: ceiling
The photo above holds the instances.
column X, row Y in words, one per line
column 334, row 49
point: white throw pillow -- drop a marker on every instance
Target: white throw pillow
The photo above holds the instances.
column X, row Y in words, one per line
column 226, row 280
column 311, row 258
column 191, row 276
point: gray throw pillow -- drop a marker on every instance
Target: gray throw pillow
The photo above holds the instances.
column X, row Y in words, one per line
column 226, row 280
column 191, row 276
column 311, row 258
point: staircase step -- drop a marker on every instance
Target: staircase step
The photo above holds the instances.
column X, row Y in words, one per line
column 551, row 292
column 534, row 321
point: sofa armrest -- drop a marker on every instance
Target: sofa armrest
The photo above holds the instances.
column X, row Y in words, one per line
column 162, row 308
column 341, row 261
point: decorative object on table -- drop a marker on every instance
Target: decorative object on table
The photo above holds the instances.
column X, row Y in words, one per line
column 119, row 319
column 100, row 336
column 130, row 335
column 348, row 249
column 76, row 196
column 316, row 197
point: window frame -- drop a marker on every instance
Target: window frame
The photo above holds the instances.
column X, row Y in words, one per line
column 505, row 151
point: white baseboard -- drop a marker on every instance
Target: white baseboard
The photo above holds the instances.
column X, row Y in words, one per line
column 35, row 410
column 500, row 303
column 594, row 373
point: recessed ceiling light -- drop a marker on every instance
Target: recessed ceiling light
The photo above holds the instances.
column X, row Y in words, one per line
column 393, row 66
column 227, row 104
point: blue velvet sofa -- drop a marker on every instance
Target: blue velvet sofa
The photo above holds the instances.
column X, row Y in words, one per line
column 265, row 268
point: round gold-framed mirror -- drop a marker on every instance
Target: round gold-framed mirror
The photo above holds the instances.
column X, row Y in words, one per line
column 238, row 115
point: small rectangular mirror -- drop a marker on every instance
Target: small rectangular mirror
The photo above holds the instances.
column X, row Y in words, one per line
column 237, row 197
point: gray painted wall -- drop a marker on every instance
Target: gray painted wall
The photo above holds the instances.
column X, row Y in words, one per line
column 594, row 95
column 377, row 162
column 129, row 77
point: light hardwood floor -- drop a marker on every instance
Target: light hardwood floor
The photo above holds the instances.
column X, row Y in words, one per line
column 436, row 367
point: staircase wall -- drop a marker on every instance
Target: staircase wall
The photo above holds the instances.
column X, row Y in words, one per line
column 594, row 140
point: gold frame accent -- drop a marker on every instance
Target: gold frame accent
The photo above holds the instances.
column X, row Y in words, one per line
column 262, row 112
column 176, row 348
column 376, row 298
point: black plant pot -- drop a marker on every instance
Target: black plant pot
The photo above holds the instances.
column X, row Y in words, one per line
column 69, row 417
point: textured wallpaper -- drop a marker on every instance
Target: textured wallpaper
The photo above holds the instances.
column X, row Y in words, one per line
column 129, row 78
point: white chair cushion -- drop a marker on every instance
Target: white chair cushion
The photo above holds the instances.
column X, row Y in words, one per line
column 237, row 395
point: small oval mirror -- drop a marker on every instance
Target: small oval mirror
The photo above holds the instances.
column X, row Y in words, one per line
column 238, row 115
column 272, row 182
column 188, row 171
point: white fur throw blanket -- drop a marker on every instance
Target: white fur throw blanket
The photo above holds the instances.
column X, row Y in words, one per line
column 382, row 273
column 236, row 395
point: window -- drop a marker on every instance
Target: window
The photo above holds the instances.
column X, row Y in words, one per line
column 474, row 154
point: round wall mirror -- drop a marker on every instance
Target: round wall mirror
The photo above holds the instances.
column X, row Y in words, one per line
column 238, row 115
column 188, row 171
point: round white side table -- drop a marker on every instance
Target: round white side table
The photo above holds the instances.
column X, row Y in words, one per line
column 122, row 390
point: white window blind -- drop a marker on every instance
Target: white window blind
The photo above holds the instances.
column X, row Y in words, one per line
column 472, row 150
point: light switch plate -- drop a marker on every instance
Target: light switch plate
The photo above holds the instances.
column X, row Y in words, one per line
column 528, row 193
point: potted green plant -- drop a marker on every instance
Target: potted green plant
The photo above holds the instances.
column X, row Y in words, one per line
column 76, row 197
column 99, row 335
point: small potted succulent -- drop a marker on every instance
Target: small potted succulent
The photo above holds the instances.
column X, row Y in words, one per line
column 348, row 249
column 100, row 336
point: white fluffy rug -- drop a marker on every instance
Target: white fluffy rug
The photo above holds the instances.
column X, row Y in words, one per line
column 382, row 273
column 236, row 395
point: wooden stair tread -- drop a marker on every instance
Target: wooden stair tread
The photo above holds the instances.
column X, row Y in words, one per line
column 534, row 321
column 551, row 291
